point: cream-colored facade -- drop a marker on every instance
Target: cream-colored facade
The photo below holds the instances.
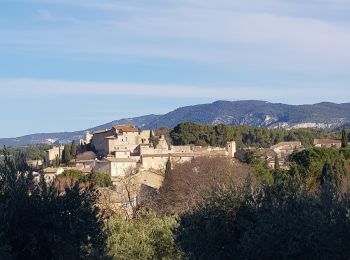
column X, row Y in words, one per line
column 284, row 149
column 328, row 143
column 119, row 138
column 51, row 154
column 125, row 149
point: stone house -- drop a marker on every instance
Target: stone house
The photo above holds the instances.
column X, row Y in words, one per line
column 327, row 143
column 53, row 153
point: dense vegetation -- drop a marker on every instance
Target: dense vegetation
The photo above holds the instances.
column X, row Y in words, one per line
column 210, row 208
column 39, row 222
column 269, row 222
column 32, row 152
column 245, row 136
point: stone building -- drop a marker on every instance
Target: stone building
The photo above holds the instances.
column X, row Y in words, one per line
column 126, row 148
column 53, row 153
column 284, row 149
column 327, row 143
column 123, row 137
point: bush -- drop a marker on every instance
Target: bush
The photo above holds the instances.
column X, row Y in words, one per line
column 144, row 237
column 100, row 179
column 38, row 222
column 270, row 222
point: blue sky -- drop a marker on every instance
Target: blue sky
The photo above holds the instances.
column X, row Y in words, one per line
column 72, row 64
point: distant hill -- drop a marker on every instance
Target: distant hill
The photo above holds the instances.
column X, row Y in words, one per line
column 251, row 112
column 66, row 137
column 260, row 114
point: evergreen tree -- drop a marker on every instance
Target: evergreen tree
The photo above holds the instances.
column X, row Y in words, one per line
column 67, row 156
column 327, row 173
column 168, row 167
column 73, row 149
column 38, row 222
column 344, row 139
column 277, row 163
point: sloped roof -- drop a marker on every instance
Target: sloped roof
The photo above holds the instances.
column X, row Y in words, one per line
column 327, row 141
column 126, row 128
column 293, row 143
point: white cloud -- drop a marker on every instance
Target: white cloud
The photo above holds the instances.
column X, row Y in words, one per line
column 277, row 34
column 296, row 95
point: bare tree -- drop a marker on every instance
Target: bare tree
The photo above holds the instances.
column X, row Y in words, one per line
column 186, row 186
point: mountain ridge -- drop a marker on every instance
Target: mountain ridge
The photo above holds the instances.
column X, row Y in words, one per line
column 255, row 113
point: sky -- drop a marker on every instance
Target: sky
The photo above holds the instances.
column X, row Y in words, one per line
column 72, row 64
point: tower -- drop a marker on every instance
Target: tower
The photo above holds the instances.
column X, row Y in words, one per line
column 231, row 148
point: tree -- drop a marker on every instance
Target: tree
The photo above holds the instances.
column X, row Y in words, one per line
column 66, row 155
column 73, row 149
column 268, row 222
column 152, row 139
column 168, row 167
column 190, row 182
column 38, row 222
column 100, row 179
column 146, row 236
column 277, row 163
column 344, row 139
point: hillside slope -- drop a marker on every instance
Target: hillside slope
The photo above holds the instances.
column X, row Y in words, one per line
column 251, row 112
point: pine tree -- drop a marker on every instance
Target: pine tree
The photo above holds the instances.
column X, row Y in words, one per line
column 344, row 139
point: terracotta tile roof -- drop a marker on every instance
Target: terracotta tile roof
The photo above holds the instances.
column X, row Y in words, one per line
column 327, row 141
column 121, row 160
column 293, row 143
column 126, row 128
column 51, row 170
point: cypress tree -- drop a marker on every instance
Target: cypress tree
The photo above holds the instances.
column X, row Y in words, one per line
column 277, row 163
column 344, row 139
column 168, row 167
column 327, row 173
column 73, row 149
column 67, row 154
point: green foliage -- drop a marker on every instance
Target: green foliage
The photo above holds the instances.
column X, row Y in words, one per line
column 261, row 171
column 219, row 135
column 56, row 162
column 73, row 149
column 344, row 139
column 75, row 174
column 268, row 222
column 32, row 152
column 66, row 155
column 38, row 222
column 168, row 167
column 144, row 237
column 100, row 179
column 277, row 163
column 152, row 139
column 310, row 164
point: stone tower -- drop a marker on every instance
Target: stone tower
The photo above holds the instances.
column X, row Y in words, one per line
column 231, row 148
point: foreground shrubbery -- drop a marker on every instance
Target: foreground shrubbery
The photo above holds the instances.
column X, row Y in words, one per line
column 38, row 222
column 268, row 222
column 210, row 209
column 146, row 236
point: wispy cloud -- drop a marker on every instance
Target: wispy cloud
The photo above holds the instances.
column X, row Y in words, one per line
column 275, row 35
column 296, row 95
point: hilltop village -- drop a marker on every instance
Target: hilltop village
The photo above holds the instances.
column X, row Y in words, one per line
column 125, row 152
column 126, row 149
